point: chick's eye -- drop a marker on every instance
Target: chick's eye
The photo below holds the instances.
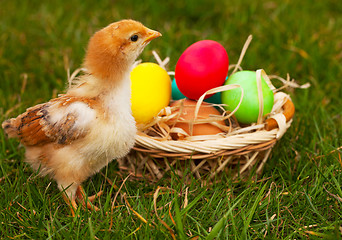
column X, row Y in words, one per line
column 134, row 38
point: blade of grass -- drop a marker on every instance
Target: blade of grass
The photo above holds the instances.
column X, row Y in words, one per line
column 221, row 223
column 252, row 211
column 178, row 220
column 91, row 229
column 192, row 203
column 313, row 207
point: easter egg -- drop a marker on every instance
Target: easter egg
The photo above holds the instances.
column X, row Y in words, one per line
column 188, row 113
column 177, row 95
column 248, row 111
column 202, row 66
column 150, row 91
column 216, row 98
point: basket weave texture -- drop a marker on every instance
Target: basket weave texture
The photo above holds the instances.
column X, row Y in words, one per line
column 248, row 147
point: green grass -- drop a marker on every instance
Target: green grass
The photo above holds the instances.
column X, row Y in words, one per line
column 299, row 193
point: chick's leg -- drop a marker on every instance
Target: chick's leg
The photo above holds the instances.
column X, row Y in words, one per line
column 71, row 203
column 69, row 196
column 87, row 201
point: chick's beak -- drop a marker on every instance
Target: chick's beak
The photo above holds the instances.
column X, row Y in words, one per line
column 151, row 34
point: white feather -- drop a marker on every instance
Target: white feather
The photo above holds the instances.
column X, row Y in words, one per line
column 114, row 138
column 83, row 113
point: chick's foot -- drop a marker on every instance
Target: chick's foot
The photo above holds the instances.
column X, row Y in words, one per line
column 86, row 202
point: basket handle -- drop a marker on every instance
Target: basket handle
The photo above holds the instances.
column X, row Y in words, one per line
column 289, row 110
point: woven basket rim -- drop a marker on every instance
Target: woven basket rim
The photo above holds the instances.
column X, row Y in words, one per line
column 238, row 142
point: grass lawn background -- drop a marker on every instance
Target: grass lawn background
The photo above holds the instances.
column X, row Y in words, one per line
column 299, row 195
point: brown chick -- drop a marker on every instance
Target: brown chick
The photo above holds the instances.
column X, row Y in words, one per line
column 73, row 136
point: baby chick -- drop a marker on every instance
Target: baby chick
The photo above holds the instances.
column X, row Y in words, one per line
column 73, row 136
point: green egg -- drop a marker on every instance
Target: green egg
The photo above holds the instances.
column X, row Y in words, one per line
column 248, row 111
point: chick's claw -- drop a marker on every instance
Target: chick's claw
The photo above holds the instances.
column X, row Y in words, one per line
column 93, row 197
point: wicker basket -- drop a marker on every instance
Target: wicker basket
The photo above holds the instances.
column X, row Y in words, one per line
column 235, row 152
column 249, row 147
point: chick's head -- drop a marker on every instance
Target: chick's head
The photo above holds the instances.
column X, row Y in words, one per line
column 117, row 45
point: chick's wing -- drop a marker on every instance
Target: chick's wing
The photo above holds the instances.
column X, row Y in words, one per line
column 62, row 120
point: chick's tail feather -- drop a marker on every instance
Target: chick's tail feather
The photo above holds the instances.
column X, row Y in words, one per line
column 10, row 127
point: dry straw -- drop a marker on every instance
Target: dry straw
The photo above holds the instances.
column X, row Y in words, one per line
column 235, row 151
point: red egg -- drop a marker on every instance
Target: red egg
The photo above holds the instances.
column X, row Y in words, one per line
column 202, row 66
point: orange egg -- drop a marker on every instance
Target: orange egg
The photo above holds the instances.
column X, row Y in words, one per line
column 188, row 113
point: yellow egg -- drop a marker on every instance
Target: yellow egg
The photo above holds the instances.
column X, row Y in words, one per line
column 151, row 91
